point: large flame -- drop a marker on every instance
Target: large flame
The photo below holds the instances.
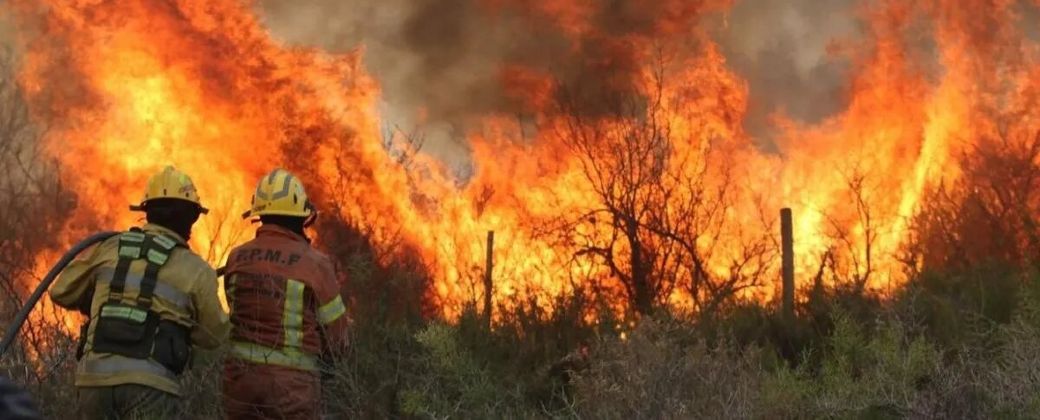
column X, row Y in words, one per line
column 127, row 87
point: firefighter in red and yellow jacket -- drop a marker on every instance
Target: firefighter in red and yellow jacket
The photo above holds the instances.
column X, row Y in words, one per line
column 286, row 309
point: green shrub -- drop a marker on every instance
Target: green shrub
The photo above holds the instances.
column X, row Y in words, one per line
column 450, row 381
column 942, row 347
column 663, row 370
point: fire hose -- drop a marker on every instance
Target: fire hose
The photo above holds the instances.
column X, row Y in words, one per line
column 19, row 319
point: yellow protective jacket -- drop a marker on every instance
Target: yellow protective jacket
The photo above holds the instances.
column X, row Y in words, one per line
column 186, row 293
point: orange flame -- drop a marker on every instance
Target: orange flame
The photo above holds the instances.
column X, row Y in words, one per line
column 127, row 88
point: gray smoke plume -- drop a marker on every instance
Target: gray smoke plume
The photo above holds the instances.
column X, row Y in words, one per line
column 1030, row 22
column 780, row 48
column 443, row 57
column 437, row 61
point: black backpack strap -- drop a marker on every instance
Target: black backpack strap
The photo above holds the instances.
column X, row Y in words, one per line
column 157, row 252
column 131, row 247
column 135, row 245
column 134, row 330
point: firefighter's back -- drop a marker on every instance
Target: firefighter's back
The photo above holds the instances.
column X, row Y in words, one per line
column 149, row 299
column 152, row 300
column 275, row 286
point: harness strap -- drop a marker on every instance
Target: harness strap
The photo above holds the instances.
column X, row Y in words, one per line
column 130, row 245
column 135, row 245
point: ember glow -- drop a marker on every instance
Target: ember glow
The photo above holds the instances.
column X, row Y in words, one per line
column 650, row 116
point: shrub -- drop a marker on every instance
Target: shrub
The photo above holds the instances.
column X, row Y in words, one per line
column 451, row 381
column 663, row 370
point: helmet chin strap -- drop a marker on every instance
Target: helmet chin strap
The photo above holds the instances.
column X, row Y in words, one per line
column 313, row 217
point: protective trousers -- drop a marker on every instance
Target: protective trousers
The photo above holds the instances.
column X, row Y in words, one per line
column 255, row 391
column 127, row 402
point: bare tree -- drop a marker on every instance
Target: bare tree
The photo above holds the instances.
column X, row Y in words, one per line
column 34, row 208
column 33, row 197
column 662, row 198
column 403, row 145
column 852, row 257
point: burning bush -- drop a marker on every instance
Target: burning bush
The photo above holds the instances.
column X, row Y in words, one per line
column 34, row 206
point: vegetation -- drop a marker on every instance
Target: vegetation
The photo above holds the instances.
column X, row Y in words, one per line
column 941, row 347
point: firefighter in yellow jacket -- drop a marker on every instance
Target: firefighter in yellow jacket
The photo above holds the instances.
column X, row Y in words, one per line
column 149, row 299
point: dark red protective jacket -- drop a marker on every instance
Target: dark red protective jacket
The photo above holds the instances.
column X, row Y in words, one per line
column 286, row 309
column 285, row 301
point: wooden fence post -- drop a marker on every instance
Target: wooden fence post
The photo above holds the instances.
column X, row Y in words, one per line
column 787, row 267
column 488, row 289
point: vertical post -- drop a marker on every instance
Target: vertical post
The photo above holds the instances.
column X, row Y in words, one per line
column 487, row 277
column 787, row 268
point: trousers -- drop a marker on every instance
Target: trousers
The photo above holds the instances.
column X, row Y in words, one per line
column 127, row 402
column 256, row 391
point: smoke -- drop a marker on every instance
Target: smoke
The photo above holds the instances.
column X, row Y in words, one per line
column 443, row 58
column 8, row 46
column 781, row 49
column 1030, row 22
column 442, row 63
column 437, row 61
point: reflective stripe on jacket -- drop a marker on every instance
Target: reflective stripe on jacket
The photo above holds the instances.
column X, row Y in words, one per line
column 285, row 301
column 186, row 293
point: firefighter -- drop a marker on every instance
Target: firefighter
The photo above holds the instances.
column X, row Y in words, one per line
column 149, row 299
column 286, row 309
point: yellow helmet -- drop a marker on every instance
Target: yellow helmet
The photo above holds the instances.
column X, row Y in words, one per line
column 170, row 183
column 282, row 194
